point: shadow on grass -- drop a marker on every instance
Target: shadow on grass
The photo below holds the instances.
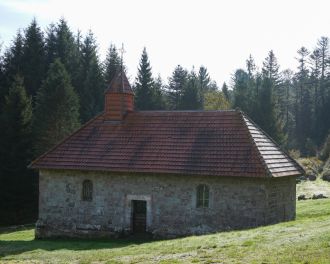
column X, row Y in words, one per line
column 13, row 247
column 10, row 229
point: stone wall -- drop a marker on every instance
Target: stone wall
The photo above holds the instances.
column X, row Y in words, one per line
column 171, row 203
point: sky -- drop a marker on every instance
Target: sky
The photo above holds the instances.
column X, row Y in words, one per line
column 217, row 34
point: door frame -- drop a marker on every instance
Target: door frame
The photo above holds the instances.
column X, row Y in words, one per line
column 129, row 211
column 133, row 213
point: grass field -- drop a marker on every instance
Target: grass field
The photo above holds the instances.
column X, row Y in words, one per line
column 306, row 240
column 308, row 188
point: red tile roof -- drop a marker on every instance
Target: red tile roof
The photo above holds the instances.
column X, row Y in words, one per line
column 219, row 143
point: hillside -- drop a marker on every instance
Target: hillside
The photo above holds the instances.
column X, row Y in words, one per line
column 306, row 240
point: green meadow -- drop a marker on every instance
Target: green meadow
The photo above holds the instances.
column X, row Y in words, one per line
column 305, row 240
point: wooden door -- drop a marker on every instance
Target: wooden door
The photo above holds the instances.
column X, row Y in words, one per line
column 139, row 216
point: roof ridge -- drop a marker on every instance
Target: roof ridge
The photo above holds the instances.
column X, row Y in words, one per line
column 297, row 165
column 64, row 140
column 184, row 111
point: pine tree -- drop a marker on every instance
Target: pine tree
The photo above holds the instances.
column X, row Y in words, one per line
column 158, row 91
column 304, row 100
column 287, row 107
column 61, row 44
column 17, row 182
column 203, row 78
column 16, row 127
column 323, row 96
column 266, row 118
column 203, row 83
column 144, row 94
column 57, row 109
column 271, row 83
column 112, row 64
column 241, row 91
column 225, row 91
column 90, row 91
column 177, row 83
column 2, row 80
column 251, row 66
column 270, row 69
column 50, row 45
column 12, row 64
column 315, row 62
column 66, row 48
column 33, row 59
column 253, row 86
column 192, row 93
column 323, row 47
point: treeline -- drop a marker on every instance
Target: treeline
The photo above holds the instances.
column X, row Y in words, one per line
column 292, row 106
column 53, row 81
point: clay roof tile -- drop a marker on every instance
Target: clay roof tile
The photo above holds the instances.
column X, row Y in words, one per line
column 219, row 143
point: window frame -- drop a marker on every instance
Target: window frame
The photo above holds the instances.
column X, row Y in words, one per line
column 87, row 191
column 203, row 196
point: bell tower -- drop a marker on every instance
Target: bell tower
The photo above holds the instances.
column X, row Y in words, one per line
column 119, row 96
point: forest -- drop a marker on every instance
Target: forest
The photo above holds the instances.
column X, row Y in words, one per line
column 52, row 81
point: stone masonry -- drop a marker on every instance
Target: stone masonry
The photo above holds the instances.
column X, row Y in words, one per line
column 234, row 203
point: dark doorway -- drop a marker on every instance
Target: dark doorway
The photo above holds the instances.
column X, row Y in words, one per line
column 139, row 216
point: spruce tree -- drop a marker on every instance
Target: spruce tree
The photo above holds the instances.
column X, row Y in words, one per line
column 191, row 96
column 241, row 91
column 203, row 82
column 266, row 118
column 271, row 68
column 144, row 94
column 158, row 93
column 204, row 79
column 17, row 182
column 253, row 86
column 50, row 45
column 315, row 62
column 112, row 64
column 225, row 91
column 12, row 64
column 177, row 83
column 62, row 44
column 303, row 109
column 251, row 66
column 66, row 47
column 57, row 109
column 323, row 105
column 33, row 59
column 2, row 80
column 287, row 107
column 90, row 91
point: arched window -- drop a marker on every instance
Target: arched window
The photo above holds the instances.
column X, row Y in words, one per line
column 87, row 190
column 203, row 194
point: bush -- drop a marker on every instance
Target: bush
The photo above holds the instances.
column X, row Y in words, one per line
column 311, row 177
column 326, row 175
column 319, row 196
column 313, row 166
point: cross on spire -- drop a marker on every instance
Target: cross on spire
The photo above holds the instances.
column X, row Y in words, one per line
column 122, row 51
